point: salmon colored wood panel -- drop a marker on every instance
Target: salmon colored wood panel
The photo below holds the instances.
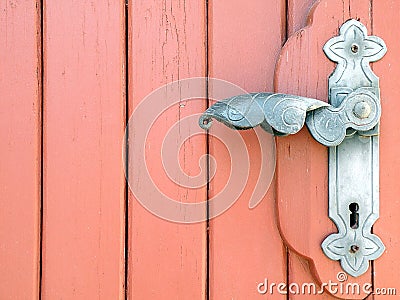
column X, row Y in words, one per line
column 167, row 39
column 297, row 13
column 386, row 21
column 299, row 267
column 302, row 169
column 245, row 246
column 84, row 116
column 20, row 136
column 301, row 278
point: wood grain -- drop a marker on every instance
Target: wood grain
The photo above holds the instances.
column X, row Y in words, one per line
column 20, row 135
column 299, row 270
column 84, row 192
column 245, row 247
column 167, row 41
column 386, row 18
column 84, row 116
column 302, row 285
column 297, row 13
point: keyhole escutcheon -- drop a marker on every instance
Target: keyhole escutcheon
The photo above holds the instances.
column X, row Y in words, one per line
column 354, row 216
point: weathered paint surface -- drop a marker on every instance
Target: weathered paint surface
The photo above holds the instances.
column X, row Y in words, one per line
column 83, row 126
column 61, row 129
column 386, row 269
column 245, row 246
column 20, row 133
column 167, row 42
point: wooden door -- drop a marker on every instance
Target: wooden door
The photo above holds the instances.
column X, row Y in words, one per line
column 72, row 73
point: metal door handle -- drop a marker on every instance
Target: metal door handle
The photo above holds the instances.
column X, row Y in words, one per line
column 276, row 113
column 348, row 125
column 282, row 114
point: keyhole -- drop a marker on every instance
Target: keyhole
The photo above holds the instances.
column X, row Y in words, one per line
column 354, row 216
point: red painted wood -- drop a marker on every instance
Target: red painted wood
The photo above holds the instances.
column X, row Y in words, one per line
column 84, row 120
column 386, row 268
column 20, row 103
column 167, row 43
column 297, row 12
column 84, row 103
column 299, row 271
column 302, row 162
column 245, row 247
column 300, row 278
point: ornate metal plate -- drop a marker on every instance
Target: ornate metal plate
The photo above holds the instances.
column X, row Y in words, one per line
column 354, row 163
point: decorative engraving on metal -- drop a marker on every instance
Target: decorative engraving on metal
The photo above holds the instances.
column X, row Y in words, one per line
column 276, row 113
column 353, row 50
column 354, row 164
column 359, row 110
column 348, row 125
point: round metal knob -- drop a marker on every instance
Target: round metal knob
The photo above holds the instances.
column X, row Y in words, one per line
column 362, row 110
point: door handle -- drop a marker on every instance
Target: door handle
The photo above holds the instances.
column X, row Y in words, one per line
column 278, row 114
column 282, row 114
column 348, row 126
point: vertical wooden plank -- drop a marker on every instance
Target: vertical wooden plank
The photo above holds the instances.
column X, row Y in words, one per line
column 20, row 135
column 245, row 246
column 301, row 276
column 386, row 18
column 167, row 42
column 297, row 12
column 84, row 103
column 298, row 267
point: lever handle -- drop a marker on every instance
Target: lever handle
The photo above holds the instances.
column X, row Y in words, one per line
column 360, row 111
column 282, row 114
column 276, row 113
